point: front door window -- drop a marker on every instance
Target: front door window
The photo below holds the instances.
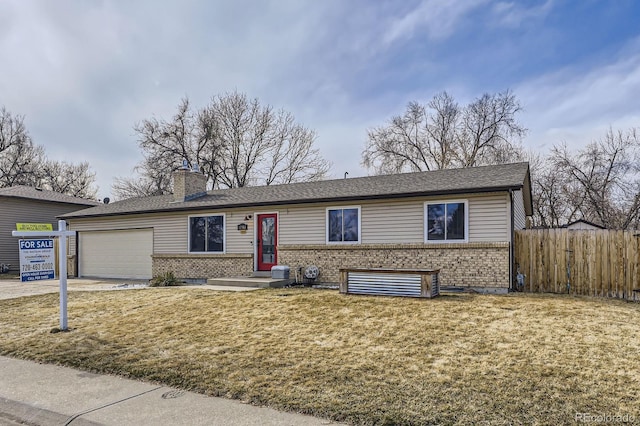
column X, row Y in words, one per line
column 267, row 241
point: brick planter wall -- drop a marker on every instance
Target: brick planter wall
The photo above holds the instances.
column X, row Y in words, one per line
column 203, row 265
column 473, row 265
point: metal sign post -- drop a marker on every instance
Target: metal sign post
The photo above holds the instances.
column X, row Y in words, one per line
column 62, row 235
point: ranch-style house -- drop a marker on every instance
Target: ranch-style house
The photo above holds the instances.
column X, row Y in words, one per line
column 460, row 221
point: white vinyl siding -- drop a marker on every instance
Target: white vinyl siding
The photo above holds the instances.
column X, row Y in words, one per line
column 382, row 222
column 171, row 230
column 115, row 254
column 303, row 225
column 397, row 221
column 489, row 218
column 239, row 241
column 392, row 222
column 171, row 233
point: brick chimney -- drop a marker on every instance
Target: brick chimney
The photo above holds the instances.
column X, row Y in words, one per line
column 188, row 185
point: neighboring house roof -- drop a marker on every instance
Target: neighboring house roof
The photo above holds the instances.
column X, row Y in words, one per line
column 582, row 221
column 439, row 182
column 30, row 193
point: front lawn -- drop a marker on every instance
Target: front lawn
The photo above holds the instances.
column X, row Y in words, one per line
column 457, row 359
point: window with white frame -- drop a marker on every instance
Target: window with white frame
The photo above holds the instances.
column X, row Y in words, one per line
column 343, row 225
column 446, row 221
column 206, row 234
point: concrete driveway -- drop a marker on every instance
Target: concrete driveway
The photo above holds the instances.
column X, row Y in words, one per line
column 10, row 288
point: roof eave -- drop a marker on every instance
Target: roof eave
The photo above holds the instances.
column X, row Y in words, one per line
column 528, row 193
column 88, row 205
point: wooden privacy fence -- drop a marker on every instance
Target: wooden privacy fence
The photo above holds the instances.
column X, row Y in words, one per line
column 601, row 263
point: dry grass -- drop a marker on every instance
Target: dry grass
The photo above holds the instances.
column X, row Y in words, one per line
column 460, row 359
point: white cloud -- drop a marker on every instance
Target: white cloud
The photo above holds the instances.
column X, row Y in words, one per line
column 85, row 72
column 437, row 19
column 576, row 106
column 53, row 50
column 513, row 14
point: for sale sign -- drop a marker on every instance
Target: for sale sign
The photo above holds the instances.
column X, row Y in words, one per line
column 37, row 260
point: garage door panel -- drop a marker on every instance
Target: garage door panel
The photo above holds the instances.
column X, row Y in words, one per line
column 116, row 254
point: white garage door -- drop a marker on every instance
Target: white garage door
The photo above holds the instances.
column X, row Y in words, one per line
column 115, row 254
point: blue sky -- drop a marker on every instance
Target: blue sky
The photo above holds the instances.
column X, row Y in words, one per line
column 84, row 72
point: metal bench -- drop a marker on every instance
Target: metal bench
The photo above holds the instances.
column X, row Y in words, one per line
column 390, row 282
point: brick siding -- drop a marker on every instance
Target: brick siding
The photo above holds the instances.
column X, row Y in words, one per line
column 187, row 183
column 474, row 265
column 203, row 265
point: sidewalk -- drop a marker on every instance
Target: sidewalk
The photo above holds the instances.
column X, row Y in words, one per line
column 41, row 394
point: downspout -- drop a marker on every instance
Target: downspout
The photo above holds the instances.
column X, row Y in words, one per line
column 77, row 252
column 512, row 236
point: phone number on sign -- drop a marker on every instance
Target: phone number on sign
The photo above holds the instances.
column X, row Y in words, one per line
column 37, row 267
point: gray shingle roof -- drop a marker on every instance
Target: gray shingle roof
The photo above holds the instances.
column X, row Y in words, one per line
column 28, row 192
column 439, row 182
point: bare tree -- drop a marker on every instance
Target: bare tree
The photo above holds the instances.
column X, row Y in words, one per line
column 490, row 132
column 21, row 165
column 67, row 178
column 257, row 145
column 294, row 162
column 12, row 131
column 555, row 198
column 235, row 141
column 242, row 132
column 153, row 180
column 164, row 145
column 603, row 179
column 442, row 135
column 24, row 163
column 20, row 159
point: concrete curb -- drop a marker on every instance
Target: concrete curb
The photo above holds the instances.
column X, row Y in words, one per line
column 14, row 412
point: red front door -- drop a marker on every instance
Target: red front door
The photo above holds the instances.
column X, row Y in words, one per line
column 267, row 241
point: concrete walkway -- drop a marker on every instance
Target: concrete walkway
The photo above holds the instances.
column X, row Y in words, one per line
column 41, row 394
